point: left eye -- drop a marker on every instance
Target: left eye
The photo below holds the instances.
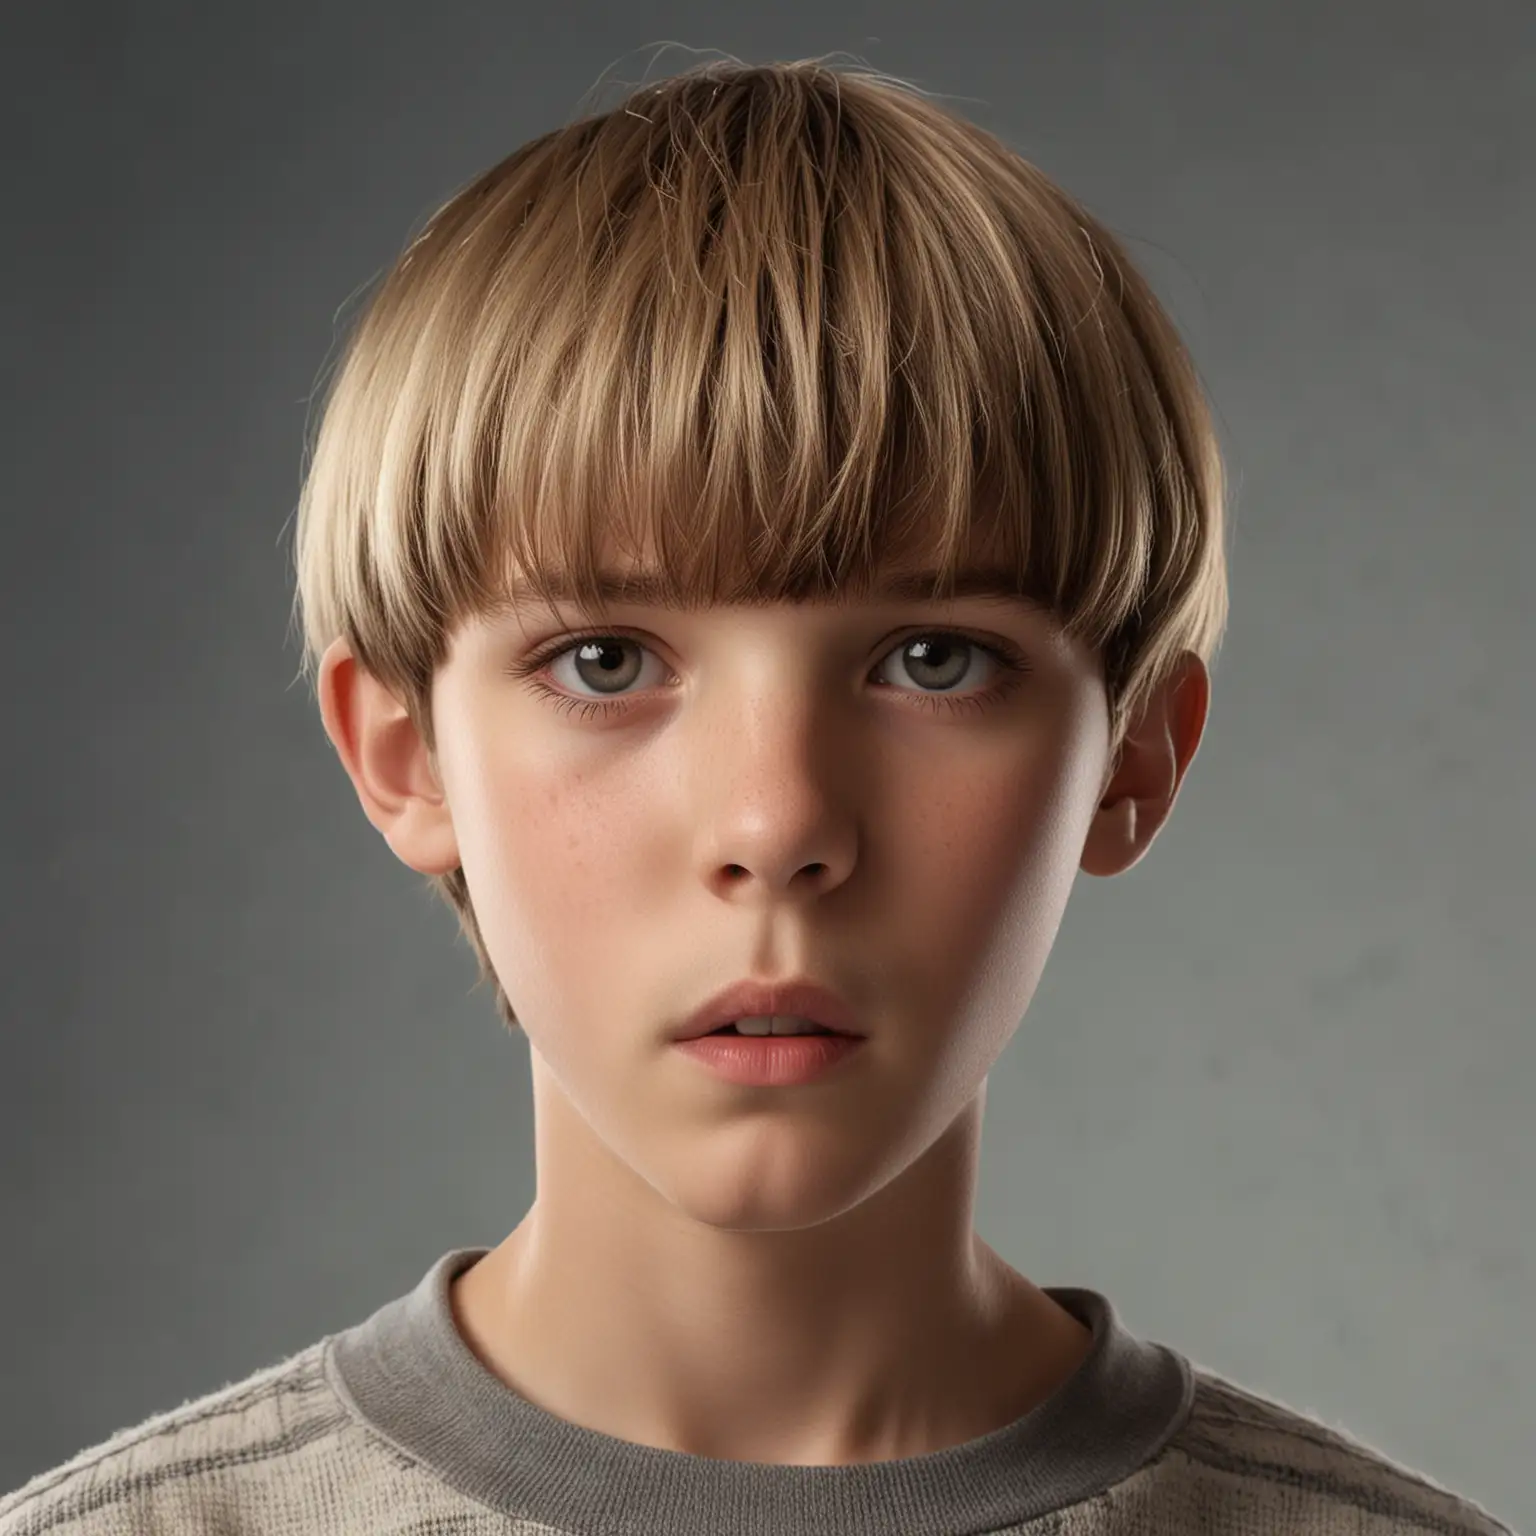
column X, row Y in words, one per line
column 938, row 662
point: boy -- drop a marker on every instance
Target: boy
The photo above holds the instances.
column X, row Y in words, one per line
column 668, row 481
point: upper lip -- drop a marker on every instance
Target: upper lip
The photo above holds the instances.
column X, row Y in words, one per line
column 750, row 999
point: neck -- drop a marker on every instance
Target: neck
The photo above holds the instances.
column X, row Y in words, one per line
column 886, row 1329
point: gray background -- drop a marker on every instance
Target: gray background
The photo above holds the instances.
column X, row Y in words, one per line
column 1274, row 1096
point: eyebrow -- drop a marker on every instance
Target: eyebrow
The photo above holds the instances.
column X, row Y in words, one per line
column 646, row 589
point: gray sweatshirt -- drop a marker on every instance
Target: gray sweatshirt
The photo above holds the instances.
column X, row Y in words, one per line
column 394, row 1426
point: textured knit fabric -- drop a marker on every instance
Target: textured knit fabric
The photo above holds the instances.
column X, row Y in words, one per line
column 395, row 1426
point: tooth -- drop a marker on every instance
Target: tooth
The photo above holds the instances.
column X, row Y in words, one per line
column 778, row 1024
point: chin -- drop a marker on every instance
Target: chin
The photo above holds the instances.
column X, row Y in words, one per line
column 769, row 1193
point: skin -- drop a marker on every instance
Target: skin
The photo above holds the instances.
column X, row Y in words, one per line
column 784, row 1275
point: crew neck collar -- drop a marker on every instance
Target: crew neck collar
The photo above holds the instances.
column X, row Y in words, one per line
column 408, row 1374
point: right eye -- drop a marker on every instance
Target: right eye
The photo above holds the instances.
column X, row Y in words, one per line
column 607, row 664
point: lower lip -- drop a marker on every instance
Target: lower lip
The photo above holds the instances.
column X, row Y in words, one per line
column 770, row 1061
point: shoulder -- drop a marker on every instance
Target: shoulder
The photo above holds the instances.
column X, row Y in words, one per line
column 190, row 1468
column 1240, row 1449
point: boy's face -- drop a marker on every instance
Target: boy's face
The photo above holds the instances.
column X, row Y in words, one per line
column 858, row 793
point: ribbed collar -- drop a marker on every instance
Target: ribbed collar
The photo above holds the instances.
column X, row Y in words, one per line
column 408, row 1373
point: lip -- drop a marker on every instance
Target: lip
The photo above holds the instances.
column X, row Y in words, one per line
column 770, row 1061
column 802, row 997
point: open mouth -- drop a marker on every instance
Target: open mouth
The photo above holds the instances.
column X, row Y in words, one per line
column 776, row 1034
column 788, row 1034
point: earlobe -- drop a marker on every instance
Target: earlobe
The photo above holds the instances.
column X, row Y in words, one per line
column 388, row 763
column 1158, row 747
column 1113, row 845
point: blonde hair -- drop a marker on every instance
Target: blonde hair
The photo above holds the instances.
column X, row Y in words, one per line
column 768, row 323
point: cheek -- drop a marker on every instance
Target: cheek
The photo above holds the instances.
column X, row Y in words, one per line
column 979, row 835
column 552, row 851
column 986, row 866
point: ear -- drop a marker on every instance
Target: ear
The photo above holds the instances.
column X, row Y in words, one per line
column 388, row 762
column 1143, row 781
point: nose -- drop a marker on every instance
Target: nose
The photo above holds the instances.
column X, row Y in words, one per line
column 777, row 803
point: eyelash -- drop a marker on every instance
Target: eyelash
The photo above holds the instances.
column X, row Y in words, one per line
column 1012, row 661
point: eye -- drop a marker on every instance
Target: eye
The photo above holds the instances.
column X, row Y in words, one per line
column 607, row 664
column 940, row 662
column 600, row 671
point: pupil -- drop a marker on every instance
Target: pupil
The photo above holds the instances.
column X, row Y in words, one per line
column 610, row 658
column 948, row 650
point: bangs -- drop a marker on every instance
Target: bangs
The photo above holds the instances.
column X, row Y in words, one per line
column 767, row 332
column 728, row 328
